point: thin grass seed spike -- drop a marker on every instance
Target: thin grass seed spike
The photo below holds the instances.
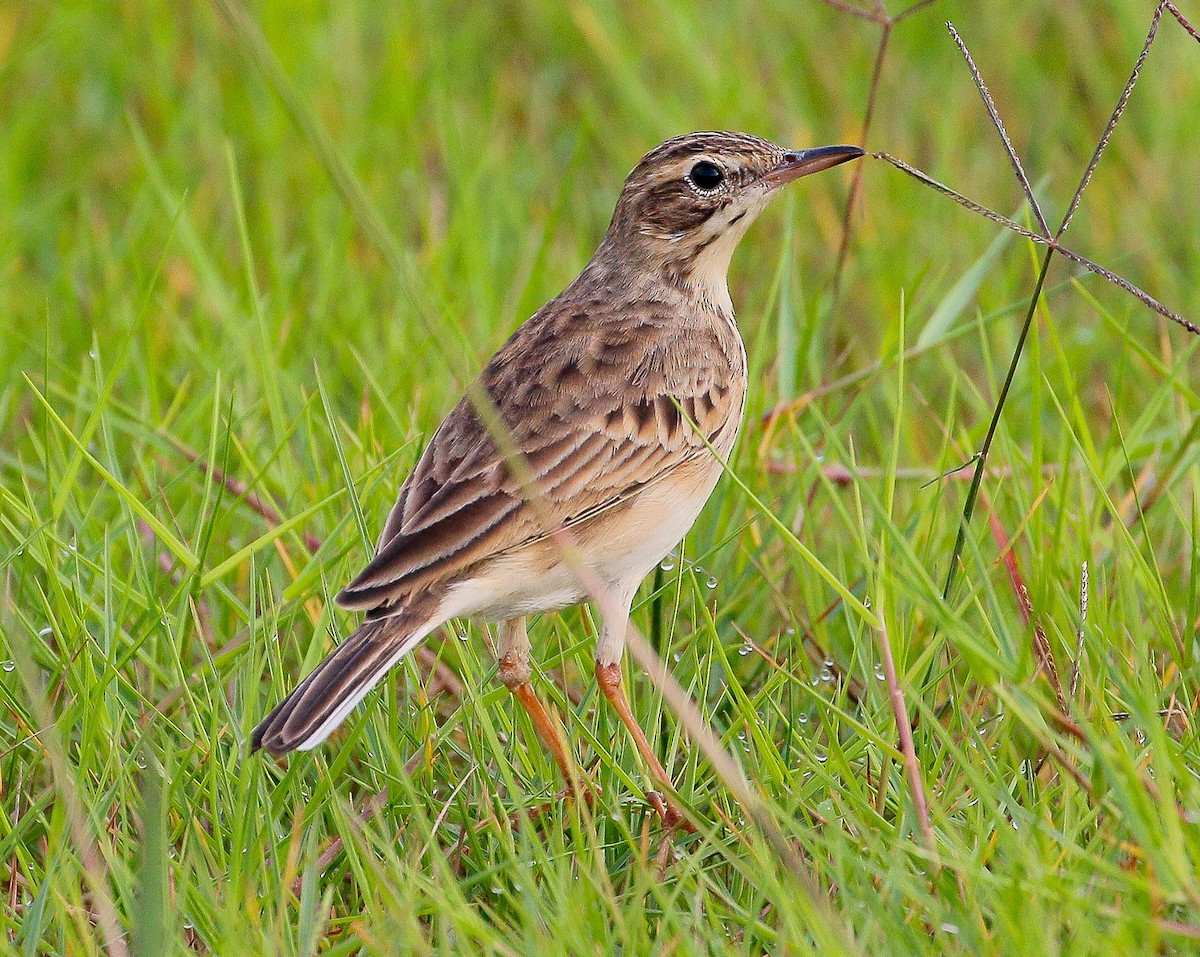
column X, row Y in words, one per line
column 1112, row 121
column 990, row 104
column 922, row 177
column 1144, row 297
column 1192, row 31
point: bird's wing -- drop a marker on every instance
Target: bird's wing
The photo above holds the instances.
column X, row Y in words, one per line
column 598, row 405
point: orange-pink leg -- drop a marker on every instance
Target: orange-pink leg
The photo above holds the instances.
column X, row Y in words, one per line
column 608, row 677
column 514, row 674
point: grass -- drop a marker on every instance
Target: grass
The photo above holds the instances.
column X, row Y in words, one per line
column 182, row 282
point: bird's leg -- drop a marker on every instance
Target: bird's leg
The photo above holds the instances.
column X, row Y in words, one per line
column 515, row 671
column 608, row 677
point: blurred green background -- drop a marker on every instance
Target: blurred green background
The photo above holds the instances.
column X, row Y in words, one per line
column 182, row 281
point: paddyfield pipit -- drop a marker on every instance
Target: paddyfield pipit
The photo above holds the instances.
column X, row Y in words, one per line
column 612, row 400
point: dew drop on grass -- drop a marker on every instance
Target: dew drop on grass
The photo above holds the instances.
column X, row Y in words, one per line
column 46, row 632
column 8, row 665
column 821, row 757
column 141, row 761
column 879, row 675
column 667, row 564
column 711, row 583
column 676, row 657
column 745, row 649
column 802, row 718
column 949, row 928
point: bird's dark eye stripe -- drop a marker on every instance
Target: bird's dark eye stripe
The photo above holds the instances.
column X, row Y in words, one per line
column 706, row 175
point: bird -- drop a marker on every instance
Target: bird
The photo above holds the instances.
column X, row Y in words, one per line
column 604, row 421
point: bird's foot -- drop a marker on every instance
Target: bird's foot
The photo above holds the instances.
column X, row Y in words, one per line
column 672, row 817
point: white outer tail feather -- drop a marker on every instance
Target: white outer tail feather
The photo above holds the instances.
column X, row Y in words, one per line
column 330, row 724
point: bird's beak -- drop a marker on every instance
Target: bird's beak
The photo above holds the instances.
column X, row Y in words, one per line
column 797, row 163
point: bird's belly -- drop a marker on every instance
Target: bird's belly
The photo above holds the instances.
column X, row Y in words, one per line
column 619, row 547
column 627, row 548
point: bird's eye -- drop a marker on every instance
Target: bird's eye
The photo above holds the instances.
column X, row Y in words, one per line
column 706, row 176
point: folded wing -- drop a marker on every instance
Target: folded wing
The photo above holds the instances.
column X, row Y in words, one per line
column 590, row 432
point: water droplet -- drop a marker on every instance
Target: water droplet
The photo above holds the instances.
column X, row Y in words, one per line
column 141, row 761
column 8, row 665
column 676, row 657
column 497, row 890
column 803, row 718
column 461, row 634
column 745, row 649
column 867, row 602
column 879, row 675
column 821, row 757
column 46, row 632
column 791, row 630
column 91, row 353
column 825, row 674
column 828, row 662
column 667, row 564
column 949, row 928
column 711, row 583
column 20, row 551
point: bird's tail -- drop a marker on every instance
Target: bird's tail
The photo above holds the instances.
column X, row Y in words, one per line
column 320, row 703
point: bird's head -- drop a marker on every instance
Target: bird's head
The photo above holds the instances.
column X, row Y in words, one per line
column 689, row 201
